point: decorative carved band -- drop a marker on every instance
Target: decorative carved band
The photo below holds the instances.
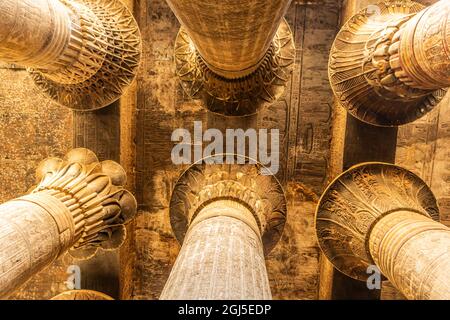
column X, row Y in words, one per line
column 82, row 53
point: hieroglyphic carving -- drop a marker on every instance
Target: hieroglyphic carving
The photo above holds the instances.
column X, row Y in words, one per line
column 242, row 95
column 92, row 54
column 229, row 267
column 368, row 70
column 381, row 214
column 29, row 239
column 81, row 295
column 306, row 126
column 78, row 203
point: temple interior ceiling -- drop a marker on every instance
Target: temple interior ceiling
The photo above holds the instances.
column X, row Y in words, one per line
column 136, row 132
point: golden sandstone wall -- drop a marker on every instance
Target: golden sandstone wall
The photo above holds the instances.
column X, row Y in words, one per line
column 34, row 128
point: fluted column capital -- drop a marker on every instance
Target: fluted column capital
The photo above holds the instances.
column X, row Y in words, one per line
column 389, row 63
column 355, row 201
column 80, row 53
column 95, row 204
column 203, row 184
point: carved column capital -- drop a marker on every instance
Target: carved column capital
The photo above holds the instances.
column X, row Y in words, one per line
column 355, row 201
column 81, row 53
column 240, row 95
column 203, row 184
column 97, row 206
column 384, row 66
column 231, row 61
column 227, row 218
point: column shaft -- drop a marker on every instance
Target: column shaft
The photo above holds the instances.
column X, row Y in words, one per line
column 221, row 257
column 33, row 32
column 413, row 252
column 34, row 230
column 232, row 38
column 424, row 49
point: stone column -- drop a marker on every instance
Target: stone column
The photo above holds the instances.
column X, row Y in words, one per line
column 78, row 205
column 230, row 54
column 382, row 215
column 227, row 217
column 80, row 53
column 390, row 62
column 413, row 251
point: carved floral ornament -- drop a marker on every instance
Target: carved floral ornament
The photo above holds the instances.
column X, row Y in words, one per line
column 244, row 95
column 80, row 53
column 205, row 182
column 391, row 67
column 355, row 201
column 93, row 193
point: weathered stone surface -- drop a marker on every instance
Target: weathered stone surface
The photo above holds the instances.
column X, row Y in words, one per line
column 422, row 148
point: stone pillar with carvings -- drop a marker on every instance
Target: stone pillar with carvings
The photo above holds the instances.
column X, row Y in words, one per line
column 77, row 206
column 382, row 215
column 390, row 63
column 81, row 53
column 235, row 57
column 227, row 218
